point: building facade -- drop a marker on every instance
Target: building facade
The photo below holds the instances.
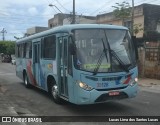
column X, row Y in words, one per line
column 63, row 19
column 148, row 17
column 57, row 20
column 145, row 15
column 36, row 29
column 79, row 19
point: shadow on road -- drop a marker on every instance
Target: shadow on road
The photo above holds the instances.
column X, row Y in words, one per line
column 108, row 108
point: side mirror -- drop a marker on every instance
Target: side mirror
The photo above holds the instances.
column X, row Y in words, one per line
column 135, row 46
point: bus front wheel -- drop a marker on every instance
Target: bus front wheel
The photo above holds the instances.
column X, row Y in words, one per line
column 54, row 93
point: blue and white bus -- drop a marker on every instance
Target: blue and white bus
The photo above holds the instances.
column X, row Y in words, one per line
column 81, row 63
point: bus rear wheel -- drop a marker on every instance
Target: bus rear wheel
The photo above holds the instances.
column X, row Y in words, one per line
column 26, row 81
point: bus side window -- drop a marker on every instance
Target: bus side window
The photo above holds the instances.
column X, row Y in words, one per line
column 19, row 53
column 29, row 50
column 70, row 58
column 24, row 50
column 49, row 47
column 65, row 54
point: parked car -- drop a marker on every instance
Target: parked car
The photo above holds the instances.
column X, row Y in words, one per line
column 6, row 58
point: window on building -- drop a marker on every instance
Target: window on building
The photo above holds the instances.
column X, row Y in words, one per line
column 49, row 47
column 51, row 26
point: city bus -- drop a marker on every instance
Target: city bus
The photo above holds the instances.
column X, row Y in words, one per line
column 80, row 63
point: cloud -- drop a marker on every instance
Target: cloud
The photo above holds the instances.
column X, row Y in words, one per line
column 33, row 11
column 24, row 2
column 18, row 15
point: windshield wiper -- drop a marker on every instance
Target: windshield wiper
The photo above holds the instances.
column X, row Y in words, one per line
column 113, row 53
column 100, row 59
column 98, row 64
column 121, row 63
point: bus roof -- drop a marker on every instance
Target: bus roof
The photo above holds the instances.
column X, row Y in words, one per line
column 68, row 28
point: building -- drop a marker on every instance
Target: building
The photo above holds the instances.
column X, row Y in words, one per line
column 36, row 29
column 57, row 20
column 148, row 16
column 63, row 19
column 81, row 20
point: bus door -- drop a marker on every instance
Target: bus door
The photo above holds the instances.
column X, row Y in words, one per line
column 63, row 45
column 36, row 62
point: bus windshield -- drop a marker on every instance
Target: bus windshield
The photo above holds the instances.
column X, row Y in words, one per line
column 103, row 50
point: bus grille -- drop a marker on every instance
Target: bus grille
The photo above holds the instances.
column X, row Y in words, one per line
column 92, row 78
column 106, row 97
column 111, row 79
column 108, row 89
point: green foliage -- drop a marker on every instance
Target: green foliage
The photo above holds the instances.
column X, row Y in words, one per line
column 122, row 10
column 137, row 28
column 7, row 47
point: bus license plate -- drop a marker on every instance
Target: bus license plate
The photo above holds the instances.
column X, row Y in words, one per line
column 113, row 93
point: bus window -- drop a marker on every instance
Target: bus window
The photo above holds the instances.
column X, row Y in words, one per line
column 29, row 50
column 49, row 47
column 24, row 50
column 20, row 50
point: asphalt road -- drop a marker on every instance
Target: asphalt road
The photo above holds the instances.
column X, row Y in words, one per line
column 16, row 100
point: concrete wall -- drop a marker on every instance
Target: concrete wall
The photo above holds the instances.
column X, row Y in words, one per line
column 57, row 20
column 109, row 18
column 152, row 17
column 36, row 29
column 80, row 20
column 139, row 20
column 149, row 60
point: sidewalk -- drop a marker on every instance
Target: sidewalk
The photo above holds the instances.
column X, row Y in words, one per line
column 150, row 85
column 146, row 82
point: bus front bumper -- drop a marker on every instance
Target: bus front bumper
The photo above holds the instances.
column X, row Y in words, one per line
column 83, row 97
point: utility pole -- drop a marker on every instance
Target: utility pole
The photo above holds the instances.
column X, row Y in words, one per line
column 3, row 32
column 132, row 26
column 73, row 19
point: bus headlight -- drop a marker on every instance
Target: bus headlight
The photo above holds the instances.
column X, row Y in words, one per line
column 84, row 86
column 134, row 81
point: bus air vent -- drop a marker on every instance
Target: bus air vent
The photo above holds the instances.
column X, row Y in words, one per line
column 111, row 78
column 108, row 89
column 92, row 78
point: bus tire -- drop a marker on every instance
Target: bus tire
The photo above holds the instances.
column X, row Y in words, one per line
column 26, row 81
column 54, row 92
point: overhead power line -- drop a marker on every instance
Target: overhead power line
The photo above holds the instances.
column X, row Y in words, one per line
column 100, row 8
column 62, row 6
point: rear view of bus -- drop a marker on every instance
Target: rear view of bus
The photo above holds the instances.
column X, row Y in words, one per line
column 104, row 65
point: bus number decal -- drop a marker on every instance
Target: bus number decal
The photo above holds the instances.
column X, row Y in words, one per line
column 102, row 85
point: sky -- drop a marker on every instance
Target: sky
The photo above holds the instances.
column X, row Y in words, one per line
column 18, row 15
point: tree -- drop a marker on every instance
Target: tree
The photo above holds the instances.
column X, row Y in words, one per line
column 7, row 47
column 122, row 11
